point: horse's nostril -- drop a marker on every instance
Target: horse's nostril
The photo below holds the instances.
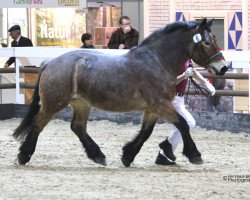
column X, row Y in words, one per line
column 223, row 70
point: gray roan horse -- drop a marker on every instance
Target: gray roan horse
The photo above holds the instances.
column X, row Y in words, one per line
column 143, row 79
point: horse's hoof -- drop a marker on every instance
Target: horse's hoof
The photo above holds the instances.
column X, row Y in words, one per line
column 101, row 161
column 23, row 159
column 125, row 162
column 196, row 160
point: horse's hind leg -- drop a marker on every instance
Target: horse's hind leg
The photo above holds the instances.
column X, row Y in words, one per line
column 28, row 146
column 78, row 126
column 131, row 149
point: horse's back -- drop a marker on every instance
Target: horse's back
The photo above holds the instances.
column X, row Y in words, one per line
column 109, row 82
column 90, row 75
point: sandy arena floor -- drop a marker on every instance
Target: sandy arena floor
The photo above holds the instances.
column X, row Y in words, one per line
column 60, row 169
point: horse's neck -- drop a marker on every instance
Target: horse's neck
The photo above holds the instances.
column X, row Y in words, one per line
column 174, row 51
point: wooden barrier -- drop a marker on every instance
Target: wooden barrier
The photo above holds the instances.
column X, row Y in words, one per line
column 32, row 69
column 13, row 85
column 228, row 75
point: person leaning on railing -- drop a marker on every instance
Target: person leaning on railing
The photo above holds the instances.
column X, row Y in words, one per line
column 125, row 37
column 87, row 41
column 18, row 41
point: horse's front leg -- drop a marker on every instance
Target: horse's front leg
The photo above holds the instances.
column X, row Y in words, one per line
column 167, row 111
column 131, row 149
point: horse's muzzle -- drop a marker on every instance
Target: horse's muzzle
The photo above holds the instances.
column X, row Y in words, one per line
column 220, row 68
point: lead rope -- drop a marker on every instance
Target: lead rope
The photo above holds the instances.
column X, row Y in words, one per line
column 197, row 88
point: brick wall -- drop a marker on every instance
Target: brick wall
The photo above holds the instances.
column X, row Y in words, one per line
column 158, row 14
column 208, row 5
column 248, row 25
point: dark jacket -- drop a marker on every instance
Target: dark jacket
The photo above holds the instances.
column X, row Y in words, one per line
column 87, row 46
column 23, row 42
column 118, row 37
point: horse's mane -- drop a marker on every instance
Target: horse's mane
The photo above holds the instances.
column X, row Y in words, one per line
column 170, row 28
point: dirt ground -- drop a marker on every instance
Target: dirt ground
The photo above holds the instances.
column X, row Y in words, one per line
column 60, row 169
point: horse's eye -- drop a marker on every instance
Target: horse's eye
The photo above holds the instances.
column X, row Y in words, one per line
column 207, row 43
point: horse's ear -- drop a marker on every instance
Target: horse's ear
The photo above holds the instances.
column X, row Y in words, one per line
column 202, row 25
column 210, row 22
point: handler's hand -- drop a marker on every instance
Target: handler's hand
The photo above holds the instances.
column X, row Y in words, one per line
column 210, row 87
column 189, row 72
column 6, row 65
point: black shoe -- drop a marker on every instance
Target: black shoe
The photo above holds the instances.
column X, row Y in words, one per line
column 167, row 149
column 162, row 160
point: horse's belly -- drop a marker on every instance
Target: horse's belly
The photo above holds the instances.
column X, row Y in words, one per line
column 116, row 103
column 118, row 107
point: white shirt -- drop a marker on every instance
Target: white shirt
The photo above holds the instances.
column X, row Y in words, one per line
column 17, row 40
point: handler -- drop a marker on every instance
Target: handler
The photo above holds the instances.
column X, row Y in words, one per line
column 169, row 145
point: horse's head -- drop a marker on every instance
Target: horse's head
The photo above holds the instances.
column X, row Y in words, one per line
column 204, row 49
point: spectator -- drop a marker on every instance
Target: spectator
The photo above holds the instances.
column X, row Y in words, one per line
column 18, row 41
column 87, row 41
column 170, row 144
column 125, row 37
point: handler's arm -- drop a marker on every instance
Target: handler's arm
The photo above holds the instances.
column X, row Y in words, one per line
column 200, row 78
column 189, row 72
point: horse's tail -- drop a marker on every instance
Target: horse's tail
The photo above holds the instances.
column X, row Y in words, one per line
column 22, row 130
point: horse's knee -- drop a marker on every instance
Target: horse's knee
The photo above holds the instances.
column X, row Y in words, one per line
column 76, row 126
column 182, row 125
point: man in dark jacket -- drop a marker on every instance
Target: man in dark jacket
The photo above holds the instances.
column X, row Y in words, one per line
column 125, row 37
column 18, row 41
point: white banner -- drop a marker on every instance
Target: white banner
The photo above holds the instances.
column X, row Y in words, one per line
column 42, row 3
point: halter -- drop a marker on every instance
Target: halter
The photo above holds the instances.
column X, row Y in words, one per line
column 197, row 38
column 213, row 57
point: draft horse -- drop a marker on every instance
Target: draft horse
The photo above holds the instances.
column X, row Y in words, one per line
column 143, row 79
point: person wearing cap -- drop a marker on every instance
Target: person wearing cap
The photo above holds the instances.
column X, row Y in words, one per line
column 18, row 41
